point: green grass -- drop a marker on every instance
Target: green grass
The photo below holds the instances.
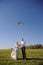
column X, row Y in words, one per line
column 35, row 57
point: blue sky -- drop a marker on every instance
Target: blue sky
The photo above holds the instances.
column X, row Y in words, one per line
column 30, row 12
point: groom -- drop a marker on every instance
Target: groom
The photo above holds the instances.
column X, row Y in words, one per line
column 23, row 49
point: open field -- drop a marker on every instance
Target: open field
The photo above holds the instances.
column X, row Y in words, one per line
column 34, row 57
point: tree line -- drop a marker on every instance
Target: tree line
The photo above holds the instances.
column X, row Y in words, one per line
column 37, row 46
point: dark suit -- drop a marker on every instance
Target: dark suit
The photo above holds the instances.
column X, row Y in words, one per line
column 23, row 52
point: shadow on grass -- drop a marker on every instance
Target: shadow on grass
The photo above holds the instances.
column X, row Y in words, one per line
column 30, row 59
column 41, row 63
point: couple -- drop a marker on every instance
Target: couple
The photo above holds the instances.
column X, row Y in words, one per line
column 15, row 51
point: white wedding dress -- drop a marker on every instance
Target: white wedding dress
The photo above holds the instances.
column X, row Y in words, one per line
column 15, row 53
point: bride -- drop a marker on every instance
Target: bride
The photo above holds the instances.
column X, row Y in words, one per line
column 15, row 51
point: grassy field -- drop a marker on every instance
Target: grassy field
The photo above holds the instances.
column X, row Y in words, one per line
column 34, row 57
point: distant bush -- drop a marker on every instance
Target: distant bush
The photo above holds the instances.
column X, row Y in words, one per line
column 11, row 48
column 37, row 46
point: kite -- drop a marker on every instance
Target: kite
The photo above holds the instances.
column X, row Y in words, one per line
column 20, row 23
